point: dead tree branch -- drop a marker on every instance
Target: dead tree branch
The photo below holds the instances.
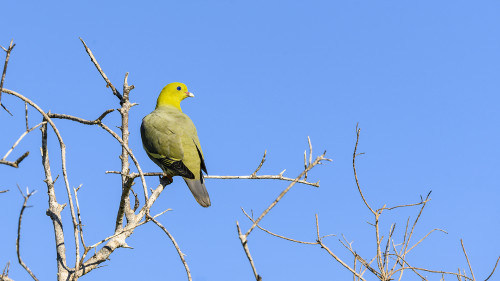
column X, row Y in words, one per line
column 18, row 246
column 244, row 237
column 15, row 164
column 5, row 273
column 7, row 56
column 181, row 254
column 385, row 255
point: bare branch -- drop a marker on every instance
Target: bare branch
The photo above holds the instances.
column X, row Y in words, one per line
column 108, row 83
column 415, row 223
column 250, row 177
column 126, row 229
column 15, row 164
column 181, row 255
column 54, row 210
column 387, row 248
column 342, row 262
column 5, row 272
column 21, row 262
column 434, row 271
column 467, row 258
column 316, row 162
column 63, row 162
column 435, row 229
column 7, row 56
column 402, row 206
column 354, row 155
column 361, row 259
column 260, row 165
column 124, row 144
column 276, row 235
column 244, row 243
column 81, row 120
column 493, row 271
column 80, row 224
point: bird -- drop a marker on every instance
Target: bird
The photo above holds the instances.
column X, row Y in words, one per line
column 170, row 139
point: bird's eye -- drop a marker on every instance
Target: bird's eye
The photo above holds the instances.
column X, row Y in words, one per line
column 179, row 88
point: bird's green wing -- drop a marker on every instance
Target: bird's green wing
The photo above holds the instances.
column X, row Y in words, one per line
column 164, row 146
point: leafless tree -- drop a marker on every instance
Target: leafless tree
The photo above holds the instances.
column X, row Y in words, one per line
column 391, row 258
column 132, row 212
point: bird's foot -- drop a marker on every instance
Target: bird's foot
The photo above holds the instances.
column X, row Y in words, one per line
column 166, row 180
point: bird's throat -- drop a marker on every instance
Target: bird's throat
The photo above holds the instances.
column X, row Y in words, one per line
column 168, row 100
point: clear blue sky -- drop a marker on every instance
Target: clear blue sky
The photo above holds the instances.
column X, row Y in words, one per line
column 421, row 78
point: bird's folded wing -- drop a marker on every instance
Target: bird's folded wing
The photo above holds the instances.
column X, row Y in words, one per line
column 165, row 146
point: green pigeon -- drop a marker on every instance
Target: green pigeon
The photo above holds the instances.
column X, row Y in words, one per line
column 170, row 140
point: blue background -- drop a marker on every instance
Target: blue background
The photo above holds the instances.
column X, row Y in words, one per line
column 420, row 77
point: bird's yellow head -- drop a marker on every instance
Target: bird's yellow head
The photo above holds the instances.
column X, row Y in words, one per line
column 173, row 94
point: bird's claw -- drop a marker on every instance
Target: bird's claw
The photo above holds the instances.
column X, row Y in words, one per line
column 166, row 180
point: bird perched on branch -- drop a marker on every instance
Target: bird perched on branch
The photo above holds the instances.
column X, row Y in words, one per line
column 170, row 140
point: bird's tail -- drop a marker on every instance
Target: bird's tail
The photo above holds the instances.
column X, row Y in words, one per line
column 197, row 187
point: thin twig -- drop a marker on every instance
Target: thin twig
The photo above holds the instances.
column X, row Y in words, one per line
column 342, row 262
column 361, row 259
column 15, row 164
column 415, row 223
column 5, row 272
column 18, row 244
column 7, row 56
column 97, row 121
column 467, row 258
column 316, row 162
column 402, row 206
column 493, row 271
column 276, row 235
column 108, row 83
column 244, row 243
column 80, row 224
column 181, row 255
column 416, row 244
column 260, row 165
column 354, row 155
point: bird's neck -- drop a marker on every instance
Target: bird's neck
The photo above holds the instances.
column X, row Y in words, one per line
column 168, row 100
